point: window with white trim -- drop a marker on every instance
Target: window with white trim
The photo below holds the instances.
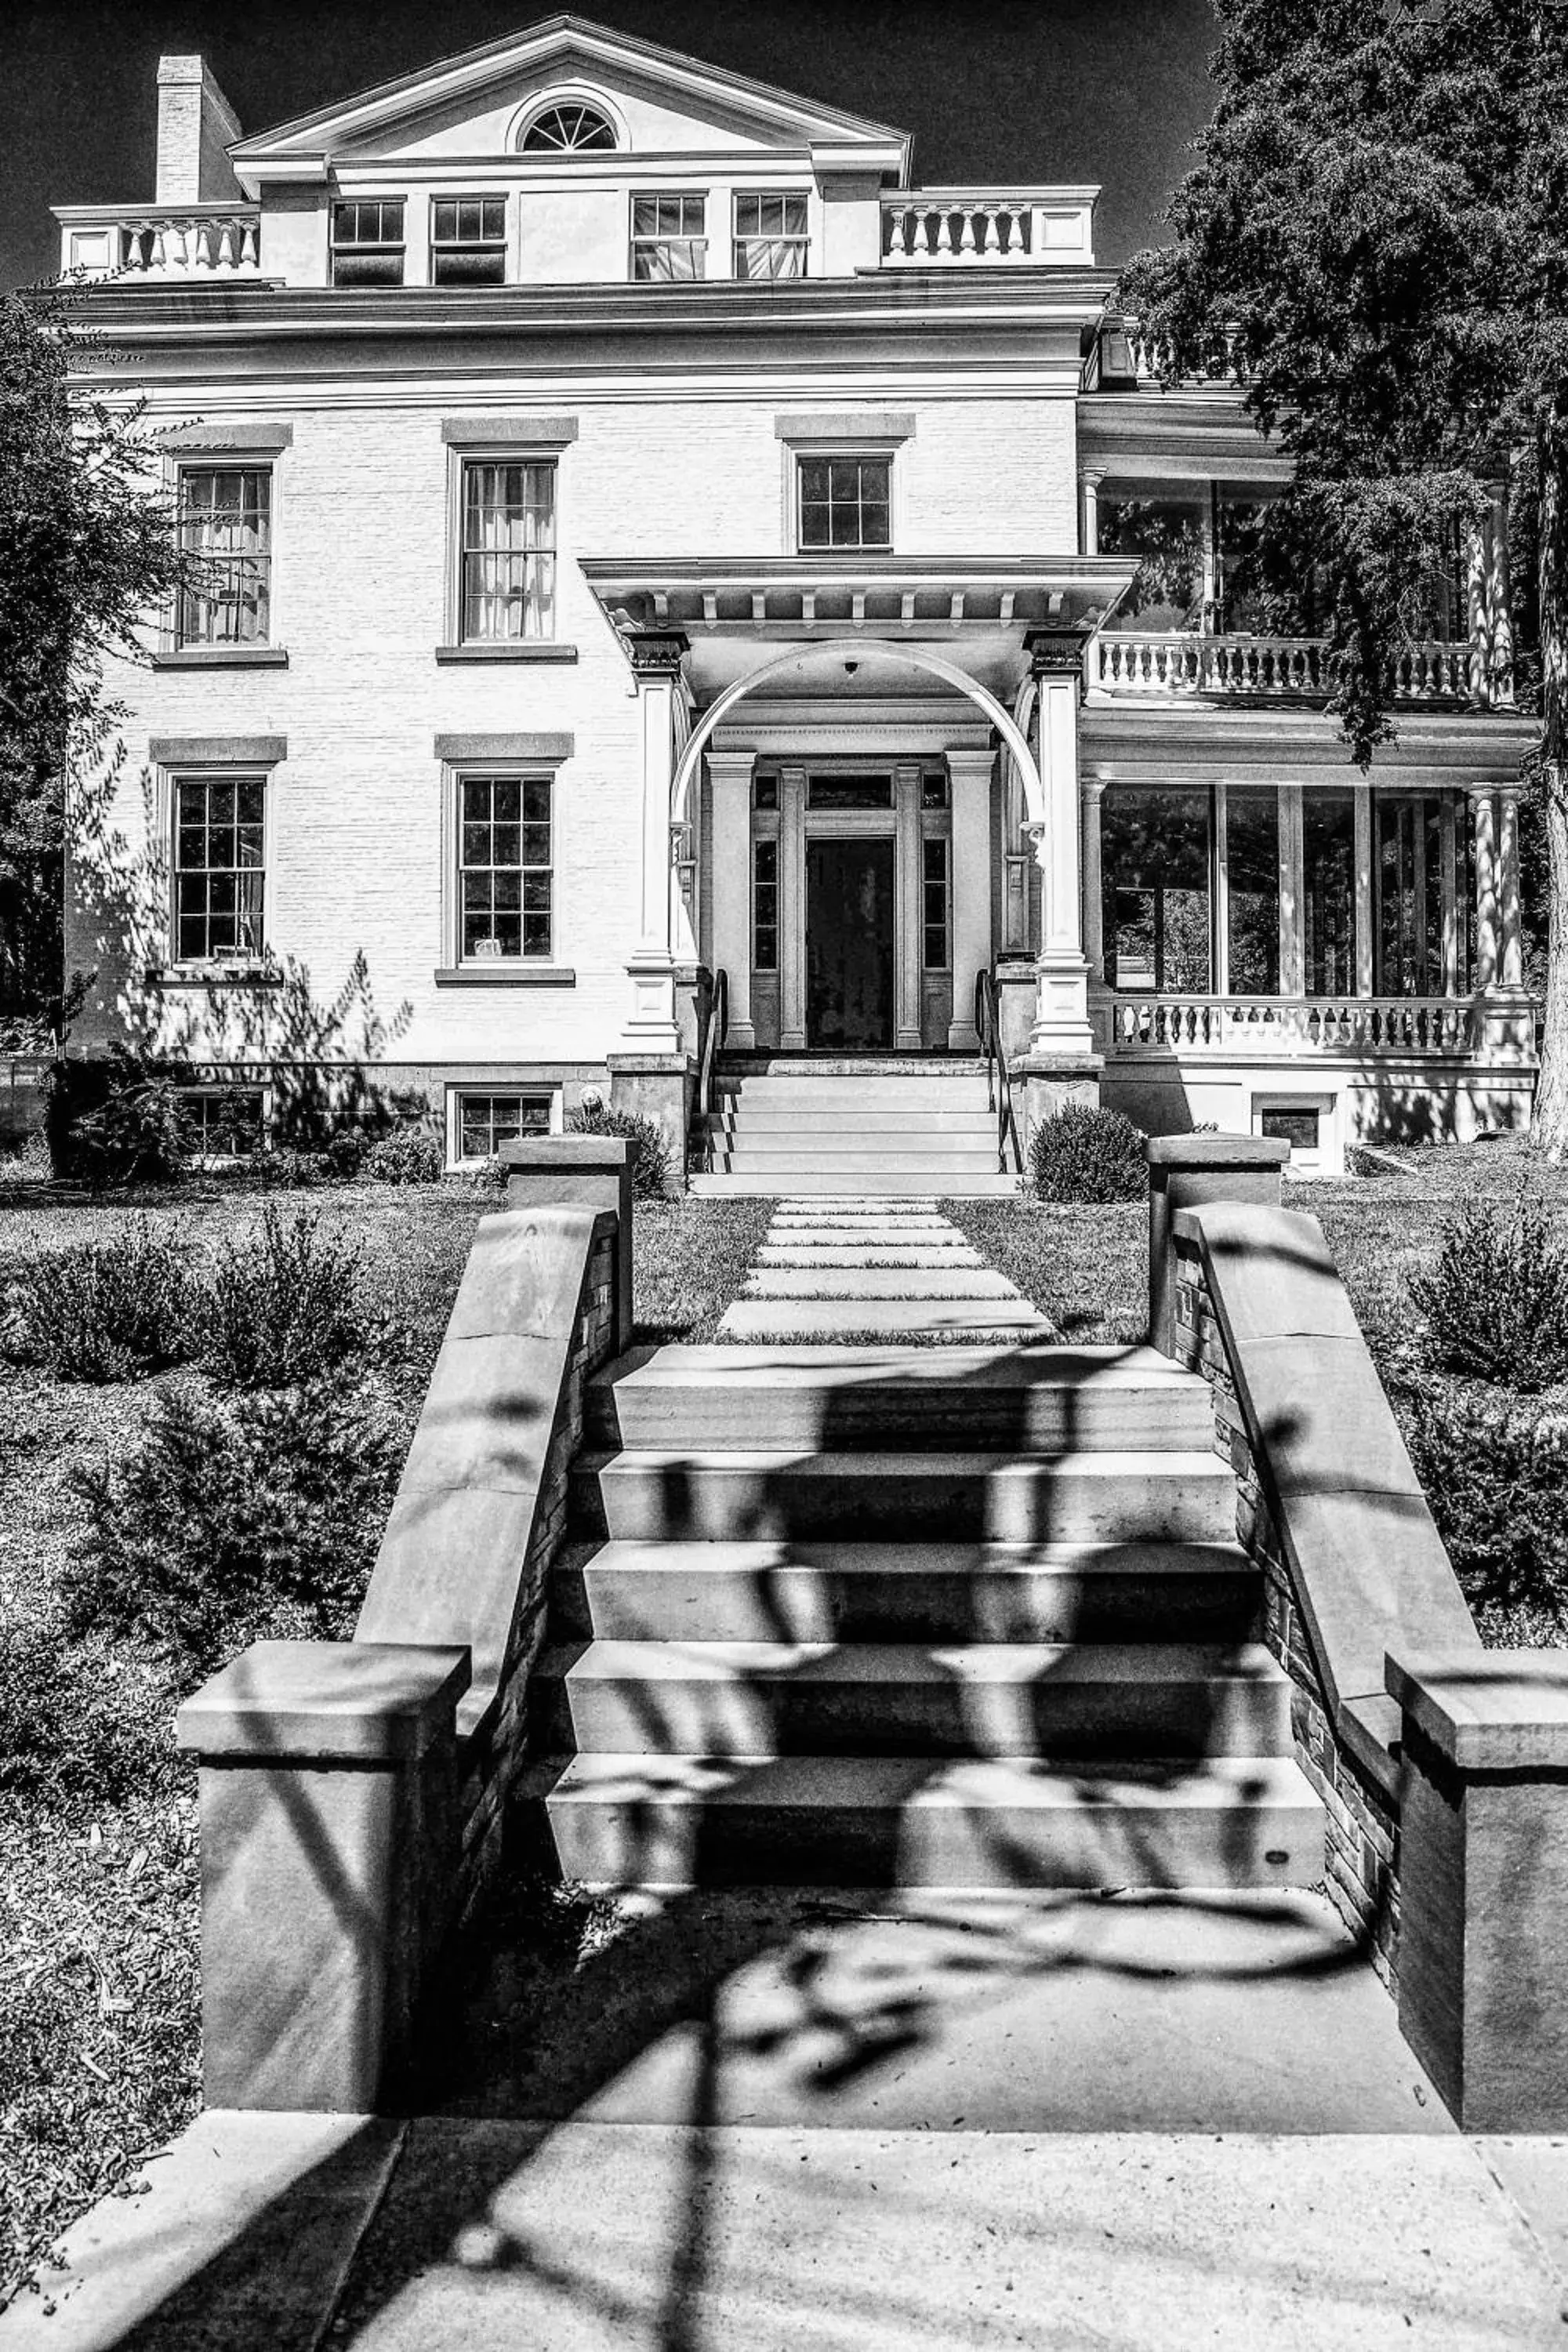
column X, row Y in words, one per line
column 223, row 1122
column 219, row 869
column 225, row 530
column 483, row 1122
column 467, row 241
column 770, row 236
column 505, row 868
column 845, row 502
column 668, row 244
column 569, row 128
column 506, row 593
column 368, row 242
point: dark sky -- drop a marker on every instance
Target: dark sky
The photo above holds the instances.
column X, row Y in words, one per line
column 1107, row 90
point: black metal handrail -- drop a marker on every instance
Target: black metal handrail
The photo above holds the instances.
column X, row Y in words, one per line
column 714, row 1036
column 998, row 1086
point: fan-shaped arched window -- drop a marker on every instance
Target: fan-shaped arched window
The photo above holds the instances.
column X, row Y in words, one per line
column 570, row 129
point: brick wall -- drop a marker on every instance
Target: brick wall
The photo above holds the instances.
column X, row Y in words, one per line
column 490, row 1761
column 361, row 536
column 1362, row 1858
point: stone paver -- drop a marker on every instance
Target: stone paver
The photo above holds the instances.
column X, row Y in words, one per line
column 858, row 1269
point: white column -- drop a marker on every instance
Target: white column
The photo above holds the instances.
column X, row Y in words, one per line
column 1219, row 979
column 1089, row 484
column 1498, row 604
column 1061, row 1008
column 970, row 880
column 1507, row 885
column 1449, row 849
column 1292, row 941
column 909, row 911
column 1483, row 818
column 651, row 1024
column 1363, row 891
column 791, row 910
column 1092, row 792
column 730, row 949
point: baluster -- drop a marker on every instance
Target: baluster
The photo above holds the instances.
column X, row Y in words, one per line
column 253, row 244
column 923, row 231
column 992, row 234
column 944, row 233
column 966, row 229
column 225, row 253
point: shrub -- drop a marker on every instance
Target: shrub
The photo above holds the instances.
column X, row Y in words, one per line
column 111, row 1310
column 1495, row 1299
column 67, row 1732
column 282, row 1304
column 231, row 1521
column 1497, row 1481
column 409, row 1155
column 136, row 1135
column 1084, row 1154
column 650, row 1160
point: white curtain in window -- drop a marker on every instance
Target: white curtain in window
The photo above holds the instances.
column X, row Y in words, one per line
column 508, row 550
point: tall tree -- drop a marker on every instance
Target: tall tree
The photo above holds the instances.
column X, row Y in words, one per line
column 89, row 548
column 1375, row 243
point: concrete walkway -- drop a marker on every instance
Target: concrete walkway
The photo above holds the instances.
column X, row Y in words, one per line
column 852, row 1267
column 793, row 2122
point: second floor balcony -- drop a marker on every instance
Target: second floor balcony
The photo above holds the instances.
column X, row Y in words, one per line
column 1160, row 664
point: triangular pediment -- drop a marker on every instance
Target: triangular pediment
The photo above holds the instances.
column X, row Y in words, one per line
column 480, row 104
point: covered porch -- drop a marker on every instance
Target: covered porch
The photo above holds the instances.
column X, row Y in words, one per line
column 860, row 785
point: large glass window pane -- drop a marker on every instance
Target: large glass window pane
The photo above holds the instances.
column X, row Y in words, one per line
column 845, row 502
column 770, row 236
column 1328, row 891
column 1155, row 861
column 506, row 883
column 508, row 550
column 219, row 879
column 1252, row 867
column 225, row 527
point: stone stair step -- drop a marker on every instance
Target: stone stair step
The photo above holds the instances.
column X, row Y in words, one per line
column 876, row 1282
column 857, row 1318
column 631, row 1820
column 829, row 1399
column 1182, row 1496
column 757, row 1185
column 641, row 1591
column 850, row 1157
column 978, row 1698
column 878, row 1117
column 887, row 1250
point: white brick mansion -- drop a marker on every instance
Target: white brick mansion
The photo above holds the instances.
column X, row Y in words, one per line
column 650, row 536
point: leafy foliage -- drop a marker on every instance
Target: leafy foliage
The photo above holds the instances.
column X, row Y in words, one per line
column 1496, row 1297
column 66, row 1735
column 1087, row 1154
column 89, row 544
column 230, row 1520
column 651, row 1160
column 410, row 1154
column 282, row 1304
column 1496, row 1480
column 1374, row 244
column 115, row 1119
column 110, row 1309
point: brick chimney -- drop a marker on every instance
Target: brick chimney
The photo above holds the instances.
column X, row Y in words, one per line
column 196, row 125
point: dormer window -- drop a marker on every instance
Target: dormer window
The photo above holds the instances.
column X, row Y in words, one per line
column 467, row 241
column 570, row 129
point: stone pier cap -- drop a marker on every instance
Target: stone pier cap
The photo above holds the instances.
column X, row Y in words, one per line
column 337, row 1702
column 1495, row 1711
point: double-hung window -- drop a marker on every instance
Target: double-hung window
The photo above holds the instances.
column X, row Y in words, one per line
column 219, row 869
column 485, row 1121
column 845, row 502
column 770, row 236
column 467, row 241
column 507, row 591
column 667, row 240
column 368, row 241
column 225, row 530
column 505, row 868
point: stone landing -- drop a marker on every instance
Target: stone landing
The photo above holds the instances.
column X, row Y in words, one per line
column 853, row 1268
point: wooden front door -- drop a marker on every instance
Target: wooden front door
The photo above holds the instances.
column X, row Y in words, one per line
column 850, row 886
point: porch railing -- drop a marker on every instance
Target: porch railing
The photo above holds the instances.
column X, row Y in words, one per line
column 936, row 228
column 1292, row 1024
column 1182, row 662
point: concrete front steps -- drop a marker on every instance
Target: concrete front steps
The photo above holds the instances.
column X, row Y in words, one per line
column 970, row 1618
column 888, row 1126
column 851, row 1271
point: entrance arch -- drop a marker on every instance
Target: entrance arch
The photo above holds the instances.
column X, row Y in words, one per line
column 921, row 657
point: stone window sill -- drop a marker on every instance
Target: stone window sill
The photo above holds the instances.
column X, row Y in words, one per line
column 503, row 974
column 538, row 651
column 215, row 975
column 222, row 657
